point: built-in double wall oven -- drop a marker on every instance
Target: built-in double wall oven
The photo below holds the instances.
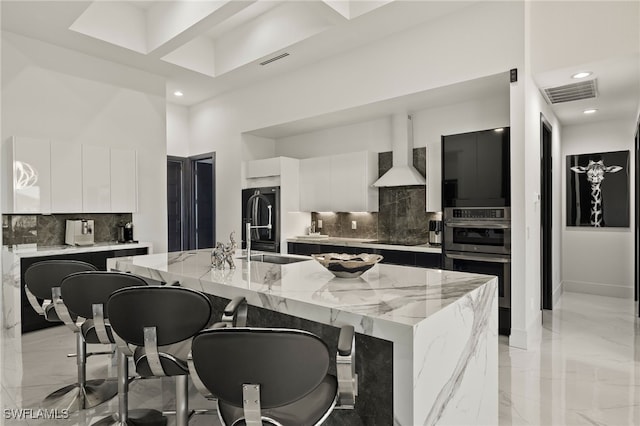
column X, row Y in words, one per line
column 478, row 240
column 477, row 214
column 259, row 206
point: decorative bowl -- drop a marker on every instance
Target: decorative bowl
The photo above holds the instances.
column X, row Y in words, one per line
column 347, row 265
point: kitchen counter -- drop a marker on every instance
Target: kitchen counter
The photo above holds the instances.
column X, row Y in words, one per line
column 15, row 258
column 32, row 250
column 441, row 327
column 365, row 243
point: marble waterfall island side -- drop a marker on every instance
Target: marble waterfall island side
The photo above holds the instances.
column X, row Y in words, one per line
column 427, row 342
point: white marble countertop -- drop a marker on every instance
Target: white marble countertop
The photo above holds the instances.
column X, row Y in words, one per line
column 398, row 294
column 33, row 250
column 443, row 324
column 365, row 243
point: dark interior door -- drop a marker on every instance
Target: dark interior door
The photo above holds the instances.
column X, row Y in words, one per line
column 203, row 199
column 175, row 203
column 546, row 211
column 191, row 196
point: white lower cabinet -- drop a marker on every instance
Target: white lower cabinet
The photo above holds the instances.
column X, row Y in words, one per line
column 340, row 183
column 27, row 175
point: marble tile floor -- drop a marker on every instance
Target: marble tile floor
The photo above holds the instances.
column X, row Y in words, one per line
column 44, row 368
column 584, row 370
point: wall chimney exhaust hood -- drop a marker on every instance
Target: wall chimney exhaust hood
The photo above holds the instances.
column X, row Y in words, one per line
column 402, row 172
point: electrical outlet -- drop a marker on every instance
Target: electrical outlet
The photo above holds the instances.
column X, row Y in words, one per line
column 319, row 223
column 354, row 224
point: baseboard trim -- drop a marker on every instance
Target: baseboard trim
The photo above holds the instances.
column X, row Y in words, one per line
column 598, row 289
column 524, row 339
column 557, row 293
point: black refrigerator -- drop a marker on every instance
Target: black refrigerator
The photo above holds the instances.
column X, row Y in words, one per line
column 255, row 210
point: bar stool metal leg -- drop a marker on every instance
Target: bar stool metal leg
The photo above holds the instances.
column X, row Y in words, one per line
column 85, row 393
column 182, row 400
column 123, row 417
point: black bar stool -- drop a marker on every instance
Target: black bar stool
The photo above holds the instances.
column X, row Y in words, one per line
column 85, row 294
column 160, row 322
column 42, row 281
column 273, row 376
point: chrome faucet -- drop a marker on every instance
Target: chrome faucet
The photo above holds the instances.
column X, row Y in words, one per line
column 250, row 226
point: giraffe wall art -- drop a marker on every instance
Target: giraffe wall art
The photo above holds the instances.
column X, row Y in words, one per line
column 598, row 189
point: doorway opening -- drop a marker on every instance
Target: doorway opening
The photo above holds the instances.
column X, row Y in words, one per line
column 191, row 202
column 546, row 212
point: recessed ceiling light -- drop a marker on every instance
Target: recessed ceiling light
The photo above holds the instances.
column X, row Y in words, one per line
column 582, row 74
column 589, row 111
column 178, row 93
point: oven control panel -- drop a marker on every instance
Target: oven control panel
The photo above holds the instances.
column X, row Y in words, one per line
column 478, row 214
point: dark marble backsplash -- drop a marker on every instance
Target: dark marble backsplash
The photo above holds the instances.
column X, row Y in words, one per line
column 49, row 230
column 401, row 216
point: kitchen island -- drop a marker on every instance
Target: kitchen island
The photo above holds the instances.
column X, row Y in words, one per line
column 426, row 343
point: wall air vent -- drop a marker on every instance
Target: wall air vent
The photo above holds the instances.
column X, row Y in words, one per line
column 571, row 92
column 275, row 58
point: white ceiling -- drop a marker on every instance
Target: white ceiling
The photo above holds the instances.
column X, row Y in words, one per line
column 205, row 48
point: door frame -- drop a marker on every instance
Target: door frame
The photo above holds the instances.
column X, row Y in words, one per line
column 190, row 211
column 636, row 215
column 546, row 214
column 186, row 202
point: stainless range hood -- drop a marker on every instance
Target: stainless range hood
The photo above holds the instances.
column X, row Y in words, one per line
column 402, row 172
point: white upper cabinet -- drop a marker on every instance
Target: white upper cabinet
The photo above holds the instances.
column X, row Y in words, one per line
column 27, row 175
column 315, row 184
column 340, row 183
column 263, row 168
column 434, row 178
column 351, row 177
column 66, row 178
column 124, row 181
column 96, row 179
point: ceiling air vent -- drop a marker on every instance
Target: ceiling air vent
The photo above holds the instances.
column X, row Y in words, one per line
column 571, row 92
column 275, row 58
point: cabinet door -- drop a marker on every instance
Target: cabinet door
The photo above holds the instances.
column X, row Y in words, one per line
column 31, row 180
column 347, row 183
column 66, row 178
column 315, row 184
column 96, row 179
column 263, row 168
column 434, row 178
column 124, row 181
column 460, row 170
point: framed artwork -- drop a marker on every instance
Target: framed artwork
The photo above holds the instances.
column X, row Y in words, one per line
column 598, row 189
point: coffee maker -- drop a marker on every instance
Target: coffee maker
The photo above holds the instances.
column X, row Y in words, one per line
column 125, row 233
column 435, row 232
column 79, row 232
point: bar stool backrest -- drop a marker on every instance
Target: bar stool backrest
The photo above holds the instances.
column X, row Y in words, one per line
column 177, row 313
column 287, row 364
column 41, row 277
column 82, row 290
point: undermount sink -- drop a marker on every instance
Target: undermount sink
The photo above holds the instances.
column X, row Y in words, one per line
column 272, row 258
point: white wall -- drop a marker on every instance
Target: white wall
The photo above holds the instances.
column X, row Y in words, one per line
column 435, row 54
column 49, row 92
column 376, row 135
column 431, row 55
column 598, row 261
column 177, row 130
